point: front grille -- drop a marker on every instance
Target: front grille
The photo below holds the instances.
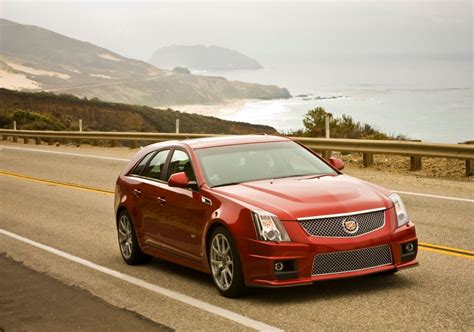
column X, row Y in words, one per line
column 353, row 260
column 334, row 226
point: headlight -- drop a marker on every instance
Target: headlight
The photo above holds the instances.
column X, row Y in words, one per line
column 400, row 210
column 269, row 227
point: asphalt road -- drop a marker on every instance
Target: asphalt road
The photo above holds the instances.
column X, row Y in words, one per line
column 436, row 295
column 32, row 301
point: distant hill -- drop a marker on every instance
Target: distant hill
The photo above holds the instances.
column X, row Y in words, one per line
column 202, row 57
column 47, row 111
column 33, row 58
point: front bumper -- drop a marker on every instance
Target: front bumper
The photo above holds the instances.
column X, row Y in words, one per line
column 259, row 257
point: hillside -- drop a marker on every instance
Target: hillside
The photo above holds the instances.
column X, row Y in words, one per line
column 202, row 57
column 47, row 111
column 35, row 59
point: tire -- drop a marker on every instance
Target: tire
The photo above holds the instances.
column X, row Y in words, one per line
column 128, row 242
column 225, row 265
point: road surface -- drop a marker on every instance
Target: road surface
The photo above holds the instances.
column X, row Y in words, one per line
column 57, row 218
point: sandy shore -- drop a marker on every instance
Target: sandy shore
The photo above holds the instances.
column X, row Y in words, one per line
column 221, row 110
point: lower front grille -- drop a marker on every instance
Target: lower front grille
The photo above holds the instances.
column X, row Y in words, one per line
column 353, row 260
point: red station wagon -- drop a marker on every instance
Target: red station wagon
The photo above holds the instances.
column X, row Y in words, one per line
column 258, row 211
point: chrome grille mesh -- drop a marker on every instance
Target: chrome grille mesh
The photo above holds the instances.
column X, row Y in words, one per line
column 353, row 260
column 333, row 226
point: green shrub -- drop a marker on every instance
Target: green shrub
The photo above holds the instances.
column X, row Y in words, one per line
column 340, row 127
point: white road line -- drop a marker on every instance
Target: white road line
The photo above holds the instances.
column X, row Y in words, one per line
column 436, row 196
column 459, row 199
column 218, row 311
column 64, row 153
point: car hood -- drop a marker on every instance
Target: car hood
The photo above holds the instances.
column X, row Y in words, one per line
column 293, row 198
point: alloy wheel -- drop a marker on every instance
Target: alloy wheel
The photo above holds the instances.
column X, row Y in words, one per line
column 125, row 236
column 222, row 264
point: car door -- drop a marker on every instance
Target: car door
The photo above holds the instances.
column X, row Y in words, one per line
column 147, row 195
column 183, row 218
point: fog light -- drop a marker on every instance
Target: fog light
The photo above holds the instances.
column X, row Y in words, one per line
column 408, row 250
column 279, row 266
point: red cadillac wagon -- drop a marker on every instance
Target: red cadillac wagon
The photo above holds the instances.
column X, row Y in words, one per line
column 258, row 211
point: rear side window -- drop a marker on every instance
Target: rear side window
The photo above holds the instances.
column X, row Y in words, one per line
column 156, row 166
column 138, row 170
column 180, row 162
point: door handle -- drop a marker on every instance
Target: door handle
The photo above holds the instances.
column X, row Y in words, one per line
column 137, row 192
column 161, row 200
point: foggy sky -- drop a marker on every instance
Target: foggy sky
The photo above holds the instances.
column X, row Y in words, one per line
column 268, row 31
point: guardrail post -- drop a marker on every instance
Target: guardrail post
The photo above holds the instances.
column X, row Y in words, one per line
column 26, row 140
column 368, row 159
column 133, row 144
column 4, row 137
column 38, row 141
column 469, row 162
column 415, row 163
column 469, row 167
column 326, row 121
column 113, row 143
column 14, row 138
column 50, row 141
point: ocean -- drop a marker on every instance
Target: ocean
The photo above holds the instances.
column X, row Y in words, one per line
column 422, row 98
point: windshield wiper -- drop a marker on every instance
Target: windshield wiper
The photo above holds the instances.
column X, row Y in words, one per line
column 288, row 176
column 319, row 176
column 226, row 184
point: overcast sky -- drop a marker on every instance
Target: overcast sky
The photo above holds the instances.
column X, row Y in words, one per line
column 268, row 31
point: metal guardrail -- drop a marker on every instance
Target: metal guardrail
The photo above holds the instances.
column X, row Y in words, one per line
column 415, row 150
column 404, row 148
column 101, row 135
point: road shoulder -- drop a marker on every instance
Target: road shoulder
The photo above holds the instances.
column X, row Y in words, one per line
column 34, row 301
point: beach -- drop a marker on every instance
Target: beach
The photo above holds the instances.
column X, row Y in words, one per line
column 225, row 109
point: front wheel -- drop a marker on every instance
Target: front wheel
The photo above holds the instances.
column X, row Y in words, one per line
column 128, row 242
column 225, row 264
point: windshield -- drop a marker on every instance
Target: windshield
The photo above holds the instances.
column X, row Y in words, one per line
column 234, row 164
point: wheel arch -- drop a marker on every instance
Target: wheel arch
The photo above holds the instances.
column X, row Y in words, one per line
column 215, row 223
column 120, row 209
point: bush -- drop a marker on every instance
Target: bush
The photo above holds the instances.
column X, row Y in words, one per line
column 34, row 121
column 340, row 127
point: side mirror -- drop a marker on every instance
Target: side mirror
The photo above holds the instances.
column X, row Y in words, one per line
column 181, row 180
column 337, row 163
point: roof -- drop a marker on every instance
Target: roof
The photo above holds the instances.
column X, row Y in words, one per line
column 207, row 142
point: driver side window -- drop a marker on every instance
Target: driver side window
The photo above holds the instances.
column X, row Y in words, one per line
column 180, row 162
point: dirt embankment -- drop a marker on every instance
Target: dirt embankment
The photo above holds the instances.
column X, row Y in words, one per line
column 431, row 167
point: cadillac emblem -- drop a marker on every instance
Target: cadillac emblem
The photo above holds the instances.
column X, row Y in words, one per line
column 350, row 225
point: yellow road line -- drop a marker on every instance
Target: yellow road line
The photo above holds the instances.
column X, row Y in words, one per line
column 57, row 183
column 422, row 246
column 439, row 251
column 449, row 249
